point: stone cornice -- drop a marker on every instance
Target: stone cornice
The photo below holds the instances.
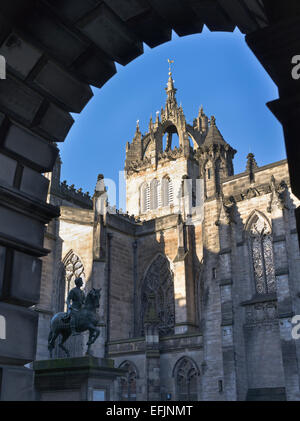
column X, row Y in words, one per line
column 15, row 200
column 22, row 246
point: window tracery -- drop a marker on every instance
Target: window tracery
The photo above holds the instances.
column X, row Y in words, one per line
column 262, row 255
column 159, row 281
column 186, row 381
column 128, row 382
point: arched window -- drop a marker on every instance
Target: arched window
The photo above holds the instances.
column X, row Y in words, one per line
column 145, row 198
column 128, row 382
column 166, row 191
column 159, row 281
column 73, row 269
column 261, row 246
column 154, row 194
column 186, row 373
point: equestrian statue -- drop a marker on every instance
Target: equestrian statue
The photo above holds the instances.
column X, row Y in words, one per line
column 81, row 316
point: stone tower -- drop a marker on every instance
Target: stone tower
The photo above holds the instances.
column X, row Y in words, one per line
column 162, row 178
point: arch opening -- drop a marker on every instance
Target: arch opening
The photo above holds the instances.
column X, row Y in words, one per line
column 170, row 138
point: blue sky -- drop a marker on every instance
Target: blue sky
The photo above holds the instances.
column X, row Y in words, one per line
column 217, row 70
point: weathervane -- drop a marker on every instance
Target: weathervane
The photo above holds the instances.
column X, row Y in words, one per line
column 170, row 68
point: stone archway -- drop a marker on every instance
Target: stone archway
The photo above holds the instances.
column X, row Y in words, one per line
column 55, row 49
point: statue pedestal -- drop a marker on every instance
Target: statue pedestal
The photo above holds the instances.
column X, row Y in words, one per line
column 76, row 379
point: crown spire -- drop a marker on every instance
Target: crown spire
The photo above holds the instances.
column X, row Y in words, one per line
column 170, row 89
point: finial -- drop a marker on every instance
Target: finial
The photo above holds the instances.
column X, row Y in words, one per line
column 100, row 186
column 251, row 161
column 251, row 166
column 151, row 123
column 213, row 120
column 138, row 126
column 170, row 68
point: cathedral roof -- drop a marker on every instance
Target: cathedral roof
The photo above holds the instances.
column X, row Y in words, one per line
column 214, row 135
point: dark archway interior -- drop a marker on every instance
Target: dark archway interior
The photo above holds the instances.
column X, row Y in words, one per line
column 56, row 49
column 170, row 138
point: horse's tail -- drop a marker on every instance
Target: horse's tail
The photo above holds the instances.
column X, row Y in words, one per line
column 55, row 327
column 50, row 337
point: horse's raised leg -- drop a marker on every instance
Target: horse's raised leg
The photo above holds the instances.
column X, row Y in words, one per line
column 94, row 333
column 64, row 337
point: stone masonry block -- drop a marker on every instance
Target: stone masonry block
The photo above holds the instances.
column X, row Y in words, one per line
column 95, row 69
column 62, row 43
column 61, row 86
column 25, row 267
column 17, row 384
column 40, row 153
column 34, row 184
column 21, row 57
column 75, row 10
column 127, row 11
column 111, row 35
column 7, row 169
column 19, row 100
column 21, row 227
column 55, row 124
column 21, row 327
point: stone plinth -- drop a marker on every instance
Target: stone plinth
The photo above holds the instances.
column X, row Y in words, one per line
column 76, row 379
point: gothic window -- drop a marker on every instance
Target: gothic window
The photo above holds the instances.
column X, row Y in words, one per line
column 167, row 191
column 262, row 254
column 145, row 197
column 154, row 194
column 186, row 374
column 159, row 281
column 128, row 382
column 73, row 269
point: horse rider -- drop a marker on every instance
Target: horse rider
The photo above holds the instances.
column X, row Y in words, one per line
column 77, row 296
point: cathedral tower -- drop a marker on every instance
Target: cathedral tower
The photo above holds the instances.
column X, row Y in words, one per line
column 161, row 178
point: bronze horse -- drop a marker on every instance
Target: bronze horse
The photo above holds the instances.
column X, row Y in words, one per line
column 87, row 319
